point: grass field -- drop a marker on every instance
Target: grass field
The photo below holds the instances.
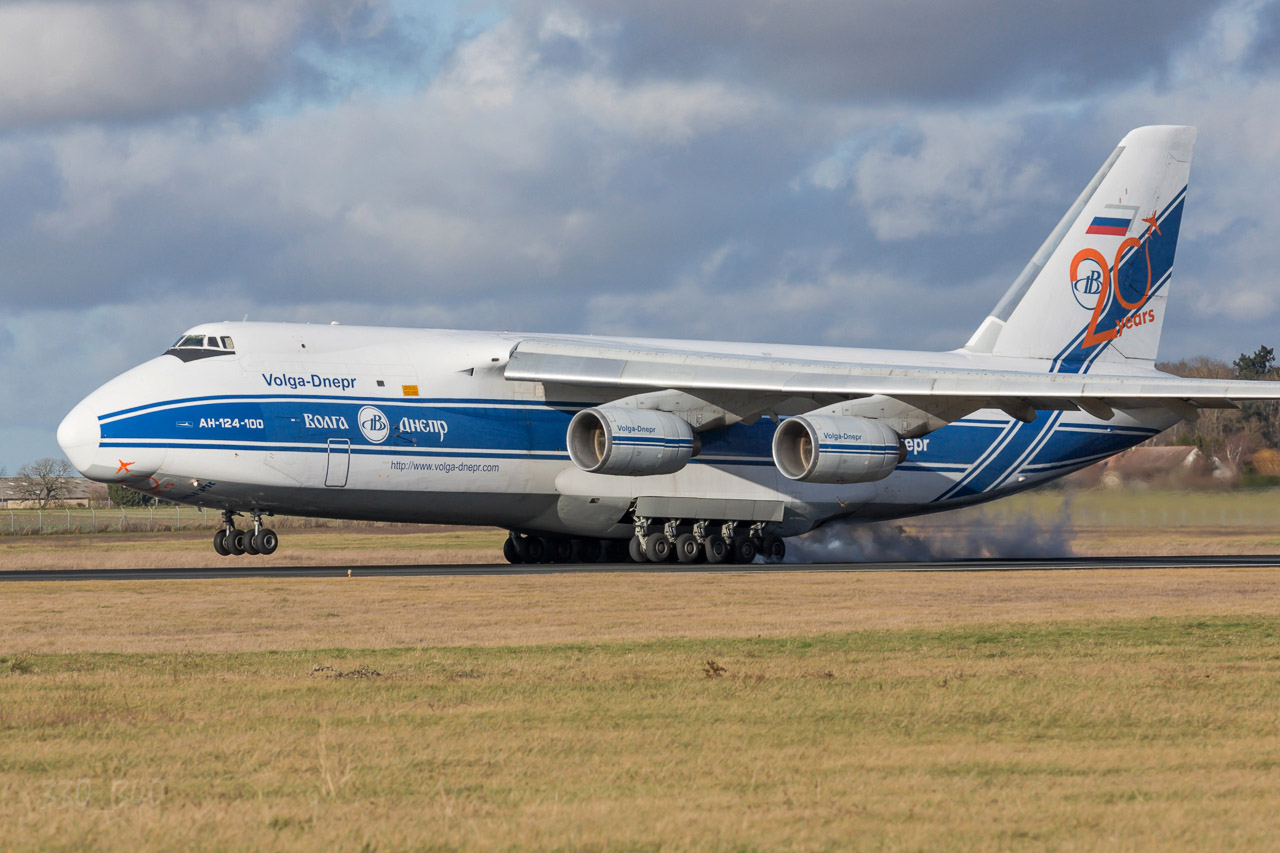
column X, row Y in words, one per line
column 1102, row 710
column 1039, row 523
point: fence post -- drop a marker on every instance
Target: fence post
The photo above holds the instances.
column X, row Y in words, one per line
column 93, row 520
column 68, row 519
column 122, row 519
column 178, row 515
column 151, row 519
column 39, row 521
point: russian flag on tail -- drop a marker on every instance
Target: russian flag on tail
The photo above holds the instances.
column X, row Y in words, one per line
column 1115, row 222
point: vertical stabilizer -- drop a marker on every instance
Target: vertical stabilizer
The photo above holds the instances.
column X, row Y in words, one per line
column 1096, row 289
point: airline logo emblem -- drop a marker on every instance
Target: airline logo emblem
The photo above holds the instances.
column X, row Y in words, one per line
column 1088, row 287
column 1095, row 280
column 1114, row 222
column 373, row 424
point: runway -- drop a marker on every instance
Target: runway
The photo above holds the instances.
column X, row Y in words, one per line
column 248, row 570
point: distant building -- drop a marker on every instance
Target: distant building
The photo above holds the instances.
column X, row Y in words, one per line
column 1152, row 465
column 81, row 492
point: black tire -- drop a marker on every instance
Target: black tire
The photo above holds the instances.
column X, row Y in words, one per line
column 220, row 543
column 716, row 549
column 266, row 541
column 775, row 550
column 636, row 551
column 617, row 550
column 535, row 548
column 590, row 550
column 658, row 549
column 562, row 550
column 744, row 551
column 248, row 543
column 687, row 548
column 512, row 552
column 235, row 542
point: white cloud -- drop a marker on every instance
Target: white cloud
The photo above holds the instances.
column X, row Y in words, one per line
column 85, row 60
column 961, row 177
column 536, row 182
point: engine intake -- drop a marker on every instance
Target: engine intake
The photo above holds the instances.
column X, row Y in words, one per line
column 827, row 449
column 631, row 442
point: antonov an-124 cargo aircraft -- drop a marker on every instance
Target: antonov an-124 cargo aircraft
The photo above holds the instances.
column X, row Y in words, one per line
column 590, row 448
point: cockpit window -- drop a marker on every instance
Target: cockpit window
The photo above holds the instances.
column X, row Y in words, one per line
column 193, row 347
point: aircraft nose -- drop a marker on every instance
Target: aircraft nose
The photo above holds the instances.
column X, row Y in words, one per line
column 78, row 435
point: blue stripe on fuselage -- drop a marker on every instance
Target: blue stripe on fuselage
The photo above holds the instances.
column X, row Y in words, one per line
column 977, row 454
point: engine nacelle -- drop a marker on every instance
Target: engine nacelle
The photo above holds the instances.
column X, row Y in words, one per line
column 827, row 449
column 632, row 442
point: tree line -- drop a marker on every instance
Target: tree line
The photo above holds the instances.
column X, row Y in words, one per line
column 49, row 481
column 1233, row 435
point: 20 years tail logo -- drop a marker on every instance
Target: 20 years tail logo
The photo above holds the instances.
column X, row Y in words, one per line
column 1094, row 281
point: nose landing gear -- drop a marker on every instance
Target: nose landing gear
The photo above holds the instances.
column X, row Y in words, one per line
column 231, row 541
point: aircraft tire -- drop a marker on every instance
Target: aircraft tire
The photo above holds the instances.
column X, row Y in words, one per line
column 774, row 549
column 591, row 550
column 688, row 549
column 266, row 541
column 247, row 543
column 616, row 551
column 744, row 551
column 220, row 543
column 512, row 552
column 717, row 550
column 535, row 549
column 562, row 550
column 234, row 542
column 658, row 549
column 636, row 551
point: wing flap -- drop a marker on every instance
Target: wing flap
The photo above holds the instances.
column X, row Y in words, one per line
column 628, row 369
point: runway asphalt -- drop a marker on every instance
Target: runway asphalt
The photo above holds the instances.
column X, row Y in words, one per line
column 244, row 568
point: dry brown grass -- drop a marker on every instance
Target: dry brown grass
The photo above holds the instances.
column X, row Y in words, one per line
column 1130, row 734
column 432, row 546
column 318, row 547
column 375, row 613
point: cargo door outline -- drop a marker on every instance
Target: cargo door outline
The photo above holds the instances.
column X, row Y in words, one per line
column 339, row 462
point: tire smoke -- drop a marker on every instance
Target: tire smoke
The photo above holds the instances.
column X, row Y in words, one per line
column 957, row 535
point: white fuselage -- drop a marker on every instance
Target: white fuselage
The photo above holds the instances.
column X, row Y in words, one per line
column 422, row 426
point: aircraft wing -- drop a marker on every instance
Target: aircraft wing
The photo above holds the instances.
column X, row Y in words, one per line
column 627, row 369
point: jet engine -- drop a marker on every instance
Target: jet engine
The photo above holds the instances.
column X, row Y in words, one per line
column 633, row 442
column 827, row 449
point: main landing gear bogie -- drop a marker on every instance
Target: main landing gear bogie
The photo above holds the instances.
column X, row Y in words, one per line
column 533, row 549
column 230, row 541
column 655, row 542
column 712, row 542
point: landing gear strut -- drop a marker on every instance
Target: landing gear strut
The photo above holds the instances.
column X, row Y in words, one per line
column 561, row 549
column 655, row 541
column 705, row 540
column 231, row 541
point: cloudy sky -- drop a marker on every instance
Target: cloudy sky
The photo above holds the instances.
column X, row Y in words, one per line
column 871, row 173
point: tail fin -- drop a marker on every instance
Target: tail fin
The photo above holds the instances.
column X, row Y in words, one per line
column 1096, row 289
